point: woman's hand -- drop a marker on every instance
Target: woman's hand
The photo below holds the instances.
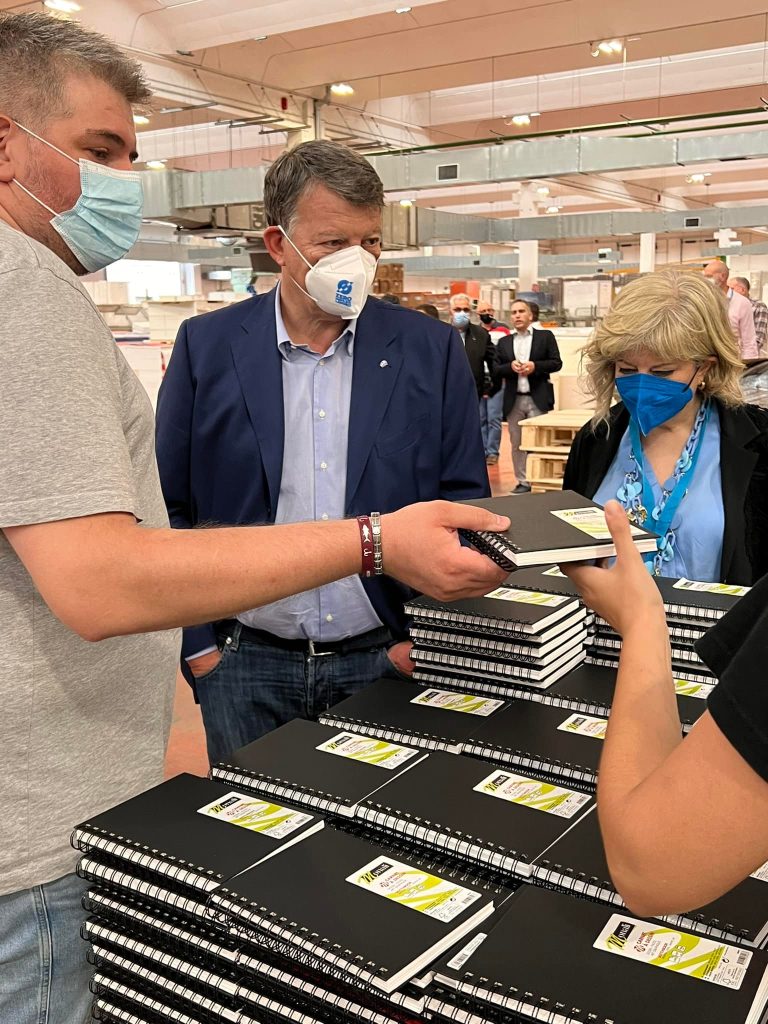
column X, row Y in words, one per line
column 624, row 595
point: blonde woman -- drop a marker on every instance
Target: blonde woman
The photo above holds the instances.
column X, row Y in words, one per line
column 681, row 451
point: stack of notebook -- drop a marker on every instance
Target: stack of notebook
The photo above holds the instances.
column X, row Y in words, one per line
column 549, row 957
column 512, row 636
column 576, row 863
column 213, row 904
column 691, row 609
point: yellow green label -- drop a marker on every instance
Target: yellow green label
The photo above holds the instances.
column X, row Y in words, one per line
column 465, row 702
column 367, row 749
column 256, row 815
column 414, row 889
column 585, row 725
column 527, row 597
column 533, row 793
column 728, row 589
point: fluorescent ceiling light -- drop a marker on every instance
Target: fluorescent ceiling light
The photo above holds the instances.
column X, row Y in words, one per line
column 260, row 39
column 140, row 119
column 698, row 178
column 67, row 6
column 403, row 10
column 521, row 120
column 543, row 190
column 406, row 202
column 155, row 165
column 553, row 209
column 342, row 89
column 606, row 47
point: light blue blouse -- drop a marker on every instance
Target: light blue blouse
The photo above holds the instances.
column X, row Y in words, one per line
column 700, row 519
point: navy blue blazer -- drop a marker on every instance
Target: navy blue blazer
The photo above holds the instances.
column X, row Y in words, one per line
column 414, row 427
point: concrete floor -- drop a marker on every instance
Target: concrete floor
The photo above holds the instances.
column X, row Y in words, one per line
column 186, row 750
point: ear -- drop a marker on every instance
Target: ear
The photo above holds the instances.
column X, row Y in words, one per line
column 6, row 162
column 274, row 240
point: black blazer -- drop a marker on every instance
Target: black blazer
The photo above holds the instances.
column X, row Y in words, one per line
column 544, row 354
column 744, row 481
column 481, row 353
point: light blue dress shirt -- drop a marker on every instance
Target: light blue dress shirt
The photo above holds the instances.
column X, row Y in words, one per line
column 700, row 519
column 316, row 397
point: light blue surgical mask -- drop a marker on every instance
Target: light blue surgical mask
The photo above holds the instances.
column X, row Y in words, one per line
column 460, row 319
column 104, row 223
column 651, row 400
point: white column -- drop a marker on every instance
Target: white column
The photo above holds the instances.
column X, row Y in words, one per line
column 528, row 253
column 647, row 252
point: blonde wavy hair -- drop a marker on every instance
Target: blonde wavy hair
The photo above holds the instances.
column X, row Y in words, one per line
column 678, row 316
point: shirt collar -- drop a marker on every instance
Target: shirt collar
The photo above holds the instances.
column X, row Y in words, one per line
column 285, row 344
column 528, row 332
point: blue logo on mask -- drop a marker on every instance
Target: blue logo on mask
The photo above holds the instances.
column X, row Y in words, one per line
column 344, row 292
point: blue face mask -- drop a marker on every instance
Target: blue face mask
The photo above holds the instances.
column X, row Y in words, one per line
column 104, row 223
column 651, row 400
column 460, row 319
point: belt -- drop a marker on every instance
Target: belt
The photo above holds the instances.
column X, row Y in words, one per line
column 379, row 637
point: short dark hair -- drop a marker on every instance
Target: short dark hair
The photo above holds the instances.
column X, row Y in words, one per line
column 744, row 282
column 320, row 162
column 390, row 298
column 38, row 52
column 534, row 308
column 525, row 302
column 429, row 309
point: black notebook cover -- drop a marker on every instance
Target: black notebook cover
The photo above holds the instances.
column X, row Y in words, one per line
column 536, row 536
column 546, row 579
column 687, row 603
column 540, row 951
column 161, row 830
column 577, row 862
column 304, row 898
column 387, row 707
column 528, row 736
column 437, row 803
column 286, row 764
column 504, row 615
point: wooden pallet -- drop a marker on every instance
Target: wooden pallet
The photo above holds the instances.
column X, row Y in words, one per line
column 545, row 472
column 553, row 432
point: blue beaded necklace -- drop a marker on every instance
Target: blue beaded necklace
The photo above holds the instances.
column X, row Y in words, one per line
column 636, row 494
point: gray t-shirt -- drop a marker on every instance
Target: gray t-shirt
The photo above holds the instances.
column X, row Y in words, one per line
column 82, row 726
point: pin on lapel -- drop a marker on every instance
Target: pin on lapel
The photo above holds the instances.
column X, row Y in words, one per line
column 383, row 363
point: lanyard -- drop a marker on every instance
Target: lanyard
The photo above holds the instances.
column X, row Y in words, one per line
column 665, row 510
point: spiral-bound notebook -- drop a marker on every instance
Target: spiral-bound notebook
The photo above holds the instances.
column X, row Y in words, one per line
column 118, row 1003
column 688, row 601
column 194, row 831
column 556, row 526
column 348, row 902
column 474, row 812
column 506, row 612
column 133, row 884
column 462, row 642
column 577, row 863
column 554, row 742
column 315, row 766
column 550, row 957
column 499, row 670
column 609, row 641
column 683, row 671
column 478, row 683
column 431, row 718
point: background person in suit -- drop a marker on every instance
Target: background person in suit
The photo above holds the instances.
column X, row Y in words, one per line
column 525, row 359
column 492, row 405
column 481, row 353
column 311, row 402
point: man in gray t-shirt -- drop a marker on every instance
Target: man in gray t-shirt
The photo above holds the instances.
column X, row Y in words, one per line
column 86, row 559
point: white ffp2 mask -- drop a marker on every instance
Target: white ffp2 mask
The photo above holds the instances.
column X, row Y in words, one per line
column 340, row 282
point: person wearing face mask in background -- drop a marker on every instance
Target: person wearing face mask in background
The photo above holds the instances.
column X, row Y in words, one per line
column 314, row 401
column 481, row 355
column 681, row 451
column 492, row 405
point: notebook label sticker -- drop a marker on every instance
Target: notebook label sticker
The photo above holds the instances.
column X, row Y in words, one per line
column 256, row 815
column 367, row 749
column 528, row 597
column 685, row 688
column 415, row 889
column 674, row 950
column 761, row 874
column 464, row 954
column 585, row 725
column 540, row 796
column 554, row 571
column 728, row 589
column 590, row 521
column 482, row 706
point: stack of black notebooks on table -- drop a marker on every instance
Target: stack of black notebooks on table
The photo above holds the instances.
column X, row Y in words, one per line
column 691, row 609
column 512, row 636
column 211, row 904
column 576, row 863
column 549, row 957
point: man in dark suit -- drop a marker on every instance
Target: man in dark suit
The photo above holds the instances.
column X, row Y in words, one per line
column 525, row 360
column 311, row 402
column 481, row 354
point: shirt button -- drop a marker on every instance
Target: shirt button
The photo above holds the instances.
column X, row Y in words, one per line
column 321, row 414
column 324, row 515
column 321, row 362
column 329, row 617
column 323, row 465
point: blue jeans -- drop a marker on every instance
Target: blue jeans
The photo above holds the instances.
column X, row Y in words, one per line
column 256, row 687
column 490, row 422
column 44, row 974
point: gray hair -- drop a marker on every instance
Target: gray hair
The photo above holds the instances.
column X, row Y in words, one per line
column 38, row 52
column 743, row 281
column 320, row 162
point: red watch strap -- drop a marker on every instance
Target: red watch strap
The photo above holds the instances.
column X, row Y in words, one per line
column 366, row 546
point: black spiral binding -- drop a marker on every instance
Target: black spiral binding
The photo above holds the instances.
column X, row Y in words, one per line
column 279, row 789
column 442, row 679
column 88, row 838
column 425, row 639
column 495, row 670
column 446, row 615
column 425, row 740
column 118, row 987
column 680, row 671
column 492, row 545
column 554, row 770
column 134, row 885
column 112, row 1010
column 468, row 1006
column 610, row 641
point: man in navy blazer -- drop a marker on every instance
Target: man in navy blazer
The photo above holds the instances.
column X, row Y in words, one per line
column 280, row 409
